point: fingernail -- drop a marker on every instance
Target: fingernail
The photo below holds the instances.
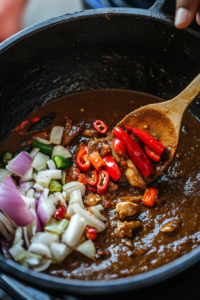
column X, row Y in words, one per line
column 198, row 18
column 182, row 16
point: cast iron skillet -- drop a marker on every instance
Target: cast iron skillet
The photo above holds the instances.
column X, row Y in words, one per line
column 130, row 49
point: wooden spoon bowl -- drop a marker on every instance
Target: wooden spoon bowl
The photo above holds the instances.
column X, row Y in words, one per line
column 163, row 122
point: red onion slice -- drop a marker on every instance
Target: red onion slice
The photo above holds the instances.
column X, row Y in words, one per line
column 20, row 164
column 13, row 205
column 42, row 209
column 26, row 185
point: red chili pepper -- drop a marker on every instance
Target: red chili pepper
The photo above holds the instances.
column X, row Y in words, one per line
column 151, row 154
column 119, row 147
column 149, row 196
column 100, row 126
column 147, row 140
column 82, row 178
column 96, row 160
column 102, row 182
column 60, row 212
column 92, row 189
column 90, row 233
column 135, row 152
column 112, row 168
column 82, row 159
column 92, row 178
column 23, row 124
column 106, row 204
column 35, row 119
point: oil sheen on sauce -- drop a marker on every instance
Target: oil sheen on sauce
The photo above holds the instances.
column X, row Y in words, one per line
column 178, row 187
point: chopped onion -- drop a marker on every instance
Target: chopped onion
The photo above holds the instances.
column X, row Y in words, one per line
column 45, row 238
column 44, row 265
column 59, row 200
column 51, row 206
column 79, row 242
column 29, row 201
column 5, row 246
column 12, row 203
column 4, row 231
column 54, row 174
column 56, row 135
column 28, row 176
column 33, row 262
column 74, row 185
column 89, row 218
column 43, row 141
column 44, row 210
column 34, row 152
column 3, row 174
column 20, row 164
column 74, row 231
column 40, row 249
column 6, row 222
column 18, row 235
column 30, row 193
column 51, row 164
column 62, row 151
column 87, row 249
column 17, row 252
column 59, row 252
column 99, row 207
column 38, row 187
column 70, row 210
column 63, row 177
column 97, row 214
column 36, row 195
column 26, row 185
column 43, row 180
column 64, row 194
column 26, row 239
column 40, row 162
column 75, row 197
column 36, row 225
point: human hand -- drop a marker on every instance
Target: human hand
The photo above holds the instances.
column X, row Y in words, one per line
column 10, row 17
column 186, row 10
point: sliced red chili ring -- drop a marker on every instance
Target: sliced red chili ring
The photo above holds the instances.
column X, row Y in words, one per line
column 100, row 126
column 112, row 168
column 82, row 159
column 151, row 154
column 102, row 182
column 23, row 124
column 91, row 189
column 92, row 178
column 119, row 147
column 60, row 212
column 35, row 119
column 90, row 233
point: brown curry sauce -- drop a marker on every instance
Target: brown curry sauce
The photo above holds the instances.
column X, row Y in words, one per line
column 178, row 186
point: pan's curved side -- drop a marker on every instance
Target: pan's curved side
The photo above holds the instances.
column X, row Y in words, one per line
column 106, row 48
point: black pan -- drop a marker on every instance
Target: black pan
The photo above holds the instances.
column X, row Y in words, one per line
column 130, row 49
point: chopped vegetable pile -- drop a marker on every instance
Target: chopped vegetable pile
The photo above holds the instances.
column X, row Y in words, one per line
column 44, row 212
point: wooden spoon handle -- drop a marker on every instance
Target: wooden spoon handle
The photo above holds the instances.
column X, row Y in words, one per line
column 187, row 95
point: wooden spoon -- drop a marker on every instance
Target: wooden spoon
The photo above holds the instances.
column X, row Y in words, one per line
column 163, row 121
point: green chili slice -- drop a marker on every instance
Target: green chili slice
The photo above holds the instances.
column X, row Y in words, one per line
column 61, row 162
column 45, row 149
column 6, row 157
column 55, row 186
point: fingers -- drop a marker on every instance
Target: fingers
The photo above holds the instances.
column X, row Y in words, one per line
column 185, row 12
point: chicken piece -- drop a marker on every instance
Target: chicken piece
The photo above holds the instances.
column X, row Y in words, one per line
column 135, row 199
column 68, row 126
column 133, row 175
column 127, row 209
column 112, row 187
column 171, row 227
column 126, row 229
column 92, row 200
column 110, row 138
column 72, row 174
column 90, row 133
column 98, row 145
